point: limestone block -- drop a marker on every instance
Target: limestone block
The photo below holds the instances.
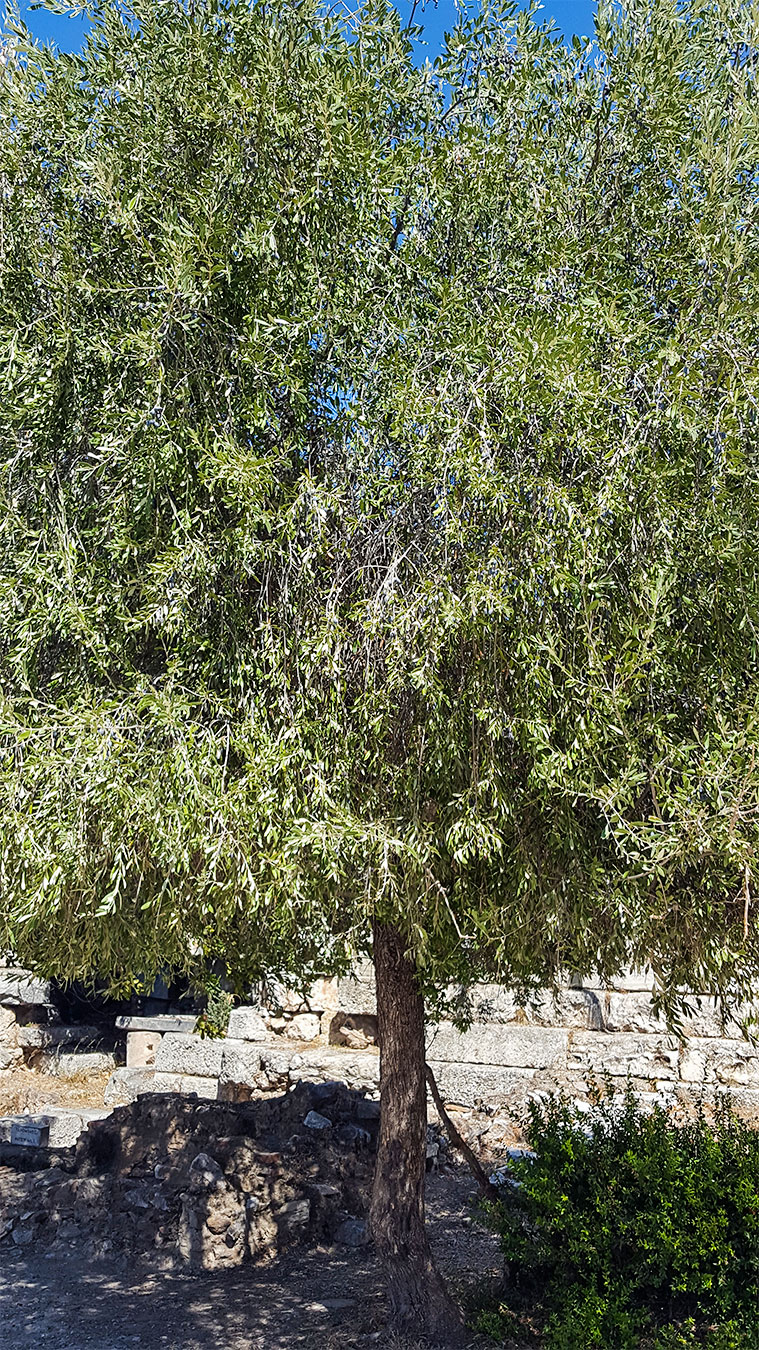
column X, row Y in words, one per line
column 359, row 1069
column 622, row 1055
column 19, row 988
column 729, row 1063
column 302, row 1027
column 626, row 982
column 276, row 1062
column 241, row 1063
column 692, row 1065
column 71, row 1065
column 51, row 1035
column 356, row 993
column 179, row 1053
column 163, row 1022
column 512, row 1046
column 632, row 1012
column 474, row 1085
column 323, row 996
column 187, row 1083
column 246, row 1024
column 10, row 1056
column 125, row 1085
column 141, row 1048
column 8, row 1028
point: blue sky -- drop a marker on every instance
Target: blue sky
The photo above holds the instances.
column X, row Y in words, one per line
column 572, row 16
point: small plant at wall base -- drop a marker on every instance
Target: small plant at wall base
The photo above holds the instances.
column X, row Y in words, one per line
column 626, row 1230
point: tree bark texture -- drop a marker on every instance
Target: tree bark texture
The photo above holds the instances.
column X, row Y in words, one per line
column 418, row 1299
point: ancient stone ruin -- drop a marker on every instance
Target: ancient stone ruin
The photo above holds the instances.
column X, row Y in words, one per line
column 196, row 1185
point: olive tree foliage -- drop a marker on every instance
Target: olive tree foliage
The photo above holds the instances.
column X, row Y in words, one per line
column 379, row 494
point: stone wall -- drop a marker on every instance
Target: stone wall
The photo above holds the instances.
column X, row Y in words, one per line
column 507, row 1055
column 329, row 1032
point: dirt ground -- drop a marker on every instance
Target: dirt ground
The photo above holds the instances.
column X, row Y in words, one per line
column 315, row 1299
column 22, row 1090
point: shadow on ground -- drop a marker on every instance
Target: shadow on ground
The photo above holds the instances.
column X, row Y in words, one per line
column 321, row 1299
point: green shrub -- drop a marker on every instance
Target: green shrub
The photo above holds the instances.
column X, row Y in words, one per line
column 627, row 1230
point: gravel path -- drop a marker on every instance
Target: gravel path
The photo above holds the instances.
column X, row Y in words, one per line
column 320, row 1299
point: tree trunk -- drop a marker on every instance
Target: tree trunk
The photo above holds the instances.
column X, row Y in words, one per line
column 419, row 1301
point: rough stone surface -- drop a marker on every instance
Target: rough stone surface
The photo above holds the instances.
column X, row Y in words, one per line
column 187, row 1084
column 72, row 1065
column 359, row 1070
column 302, row 1027
column 356, row 993
column 727, row 1063
column 246, row 1024
column 620, row 1056
column 51, row 1035
column 353, row 1233
column 179, row 1053
column 514, row 1047
column 124, row 1085
column 19, row 988
column 163, row 1023
column 475, row 1085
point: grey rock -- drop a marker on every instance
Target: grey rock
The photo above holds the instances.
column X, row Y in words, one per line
column 241, row 1063
column 126, row 1085
column 352, row 1233
column 314, row 1121
column 181, row 1054
column 295, row 1214
column 622, row 1055
column 205, row 1173
column 247, row 1024
column 20, row 989
column 510, row 1046
column 170, row 1022
column 475, row 1085
column 71, row 1064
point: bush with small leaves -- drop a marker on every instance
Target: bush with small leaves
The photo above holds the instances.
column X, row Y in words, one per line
column 626, row 1230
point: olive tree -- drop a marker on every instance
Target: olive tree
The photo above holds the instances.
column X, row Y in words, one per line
column 379, row 507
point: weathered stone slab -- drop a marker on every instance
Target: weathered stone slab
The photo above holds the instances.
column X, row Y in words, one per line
column 246, row 1024
column 581, row 1008
column 162, row 1024
column 125, row 1085
column 356, row 993
column 622, row 1055
column 358, row 1068
column 512, row 1046
column 241, row 1063
column 61, row 1126
column 179, row 1053
column 475, row 1085
column 49, row 1035
column 71, row 1065
column 630, row 982
column 186, row 1084
column 302, row 1027
column 726, row 1063
column 19, row 988
column 141, row 1048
